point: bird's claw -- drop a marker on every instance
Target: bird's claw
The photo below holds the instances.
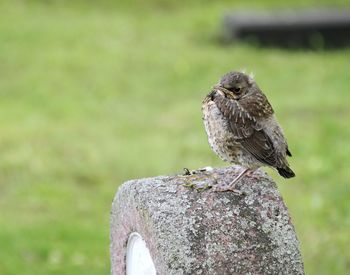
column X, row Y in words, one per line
column 226, row 188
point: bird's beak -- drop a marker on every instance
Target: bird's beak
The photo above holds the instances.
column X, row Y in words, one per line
column 224, row 92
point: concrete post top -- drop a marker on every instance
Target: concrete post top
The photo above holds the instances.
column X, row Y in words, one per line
column 203, row 232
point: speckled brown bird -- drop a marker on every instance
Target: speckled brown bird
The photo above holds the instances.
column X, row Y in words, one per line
column 242, row 128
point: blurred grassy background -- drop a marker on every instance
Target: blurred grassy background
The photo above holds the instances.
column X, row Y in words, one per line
column 97, row 92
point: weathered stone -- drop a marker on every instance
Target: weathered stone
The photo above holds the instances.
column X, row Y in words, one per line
column 203, row 232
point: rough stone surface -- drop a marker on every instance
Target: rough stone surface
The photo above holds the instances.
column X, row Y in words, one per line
column 189, row 231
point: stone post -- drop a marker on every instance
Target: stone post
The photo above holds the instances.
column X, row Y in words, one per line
column 188, row 229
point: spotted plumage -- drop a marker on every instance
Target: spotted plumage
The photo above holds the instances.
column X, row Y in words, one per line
column 242, row 128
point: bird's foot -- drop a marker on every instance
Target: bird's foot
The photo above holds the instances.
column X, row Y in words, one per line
column 243, row 173
column 251, row 174
column 231, row 186
column 226, row 188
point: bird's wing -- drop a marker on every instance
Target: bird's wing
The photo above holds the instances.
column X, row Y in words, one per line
column 247, row 131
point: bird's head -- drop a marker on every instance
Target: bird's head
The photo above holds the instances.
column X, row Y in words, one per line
column 235, row 84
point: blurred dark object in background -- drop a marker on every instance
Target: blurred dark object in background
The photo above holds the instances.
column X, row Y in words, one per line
column 315, row 29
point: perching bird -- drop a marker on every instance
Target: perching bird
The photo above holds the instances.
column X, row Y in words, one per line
column 242, row 128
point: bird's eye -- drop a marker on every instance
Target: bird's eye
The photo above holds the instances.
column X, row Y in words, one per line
column 236, row 89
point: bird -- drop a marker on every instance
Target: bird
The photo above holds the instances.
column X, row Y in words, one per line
column 242, row 128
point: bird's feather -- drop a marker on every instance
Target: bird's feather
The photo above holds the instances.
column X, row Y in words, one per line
column 246, row 129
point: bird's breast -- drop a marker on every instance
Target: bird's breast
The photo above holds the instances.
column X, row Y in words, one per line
column 220, row 137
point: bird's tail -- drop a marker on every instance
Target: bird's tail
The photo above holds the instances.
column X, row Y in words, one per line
column 286, row 172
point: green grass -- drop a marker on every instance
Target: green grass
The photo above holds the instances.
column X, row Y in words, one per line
column 95, row 93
